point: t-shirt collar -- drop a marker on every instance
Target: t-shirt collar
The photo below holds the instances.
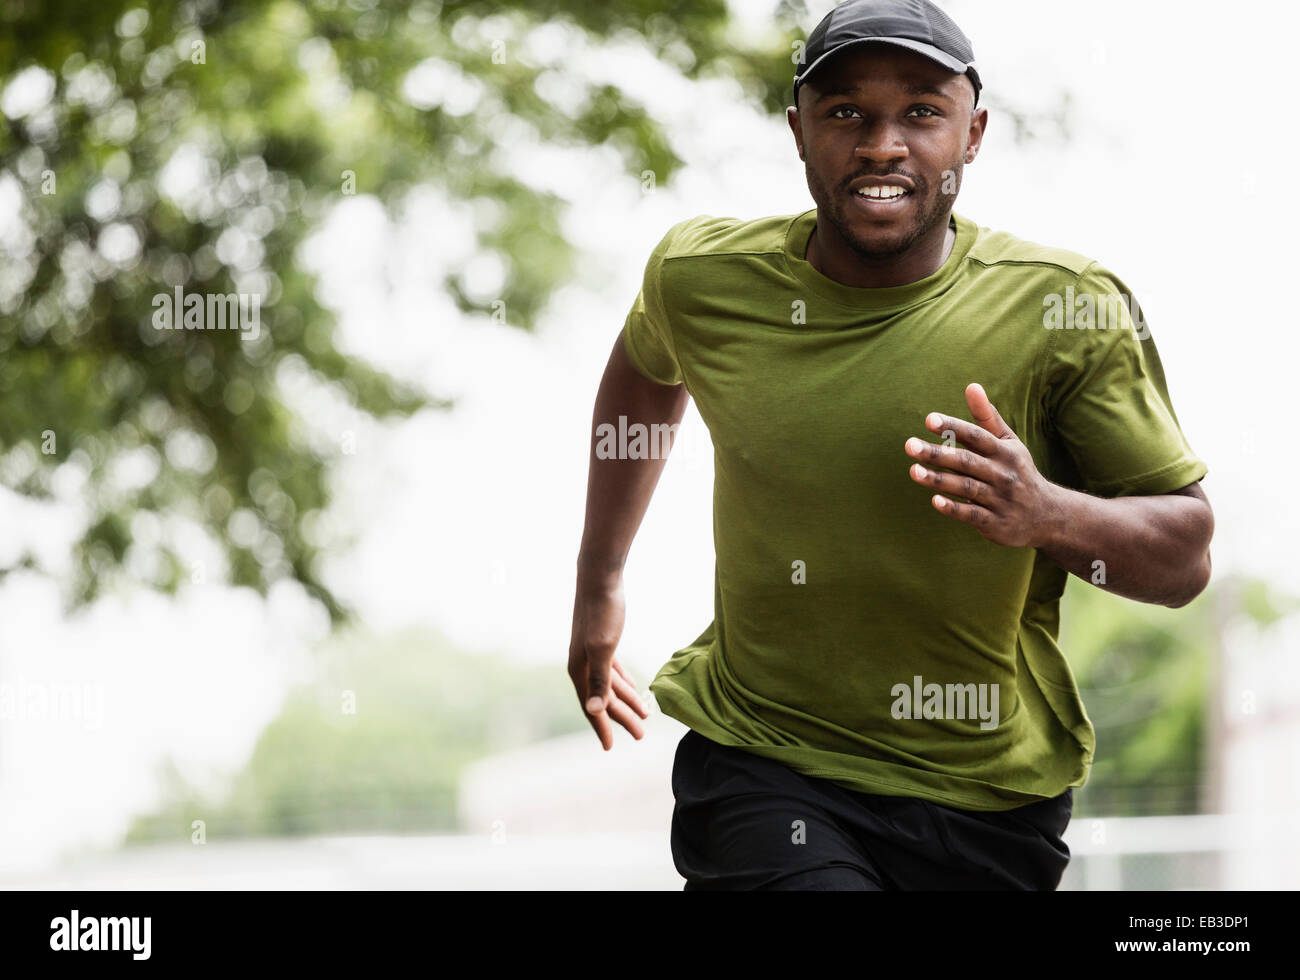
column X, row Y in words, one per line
column 879, row 298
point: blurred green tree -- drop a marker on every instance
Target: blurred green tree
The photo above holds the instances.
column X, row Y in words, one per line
column 195, row 145
column 1147, row 675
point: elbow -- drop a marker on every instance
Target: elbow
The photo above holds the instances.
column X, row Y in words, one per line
column 1198, row 581
column 1197, row 578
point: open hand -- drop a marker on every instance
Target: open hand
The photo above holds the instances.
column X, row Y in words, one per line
column 603, row 687
column 1006, row 499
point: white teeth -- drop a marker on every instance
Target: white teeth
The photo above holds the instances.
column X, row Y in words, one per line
column 883, row 193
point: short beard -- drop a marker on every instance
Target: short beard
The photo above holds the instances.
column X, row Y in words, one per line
column 938, row 208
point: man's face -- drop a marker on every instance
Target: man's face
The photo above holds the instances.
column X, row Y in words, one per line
column 883, row 117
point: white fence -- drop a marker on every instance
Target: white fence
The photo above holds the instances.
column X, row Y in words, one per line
column 1121, row 853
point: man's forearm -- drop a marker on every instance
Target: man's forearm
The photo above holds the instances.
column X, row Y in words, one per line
column 1148, row 548
column 619, row 490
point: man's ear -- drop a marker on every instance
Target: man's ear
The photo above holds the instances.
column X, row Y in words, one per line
column 792, row 117
column 979, row 120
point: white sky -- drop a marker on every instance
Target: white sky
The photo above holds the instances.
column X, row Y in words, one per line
column 470, row 521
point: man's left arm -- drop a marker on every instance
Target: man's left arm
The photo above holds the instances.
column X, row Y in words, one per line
column 1152, row 548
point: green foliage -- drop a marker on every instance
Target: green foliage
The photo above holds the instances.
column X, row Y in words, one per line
column 1146, row 674
column 1264, row 605
column 271, row 103
column 421, row 711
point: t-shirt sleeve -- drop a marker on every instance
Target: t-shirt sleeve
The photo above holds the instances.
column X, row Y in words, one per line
column 647, row 333
column 1106, row 395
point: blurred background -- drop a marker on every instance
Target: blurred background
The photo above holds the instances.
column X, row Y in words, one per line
column 290, row 607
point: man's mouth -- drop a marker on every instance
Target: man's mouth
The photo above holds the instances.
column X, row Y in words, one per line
column 888, row 192
column 881, row 200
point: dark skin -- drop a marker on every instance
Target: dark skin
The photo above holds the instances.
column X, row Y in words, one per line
column 1156, row 548
column 882, row 114
column 618, row 494
column 908, row 123
column 877, row 114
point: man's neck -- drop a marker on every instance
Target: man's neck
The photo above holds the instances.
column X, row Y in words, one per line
column 848, row 267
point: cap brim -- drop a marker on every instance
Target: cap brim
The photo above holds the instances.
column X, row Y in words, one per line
column 920, row 47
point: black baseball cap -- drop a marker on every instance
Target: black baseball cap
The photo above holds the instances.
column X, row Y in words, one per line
column 915, row 24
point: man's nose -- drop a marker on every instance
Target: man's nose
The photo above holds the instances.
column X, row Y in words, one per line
column 880, row 142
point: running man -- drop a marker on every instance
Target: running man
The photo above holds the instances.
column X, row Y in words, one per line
column 921, row 428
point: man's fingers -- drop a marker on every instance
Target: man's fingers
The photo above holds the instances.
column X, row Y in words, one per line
column 956, row 484
column 967, row 433
column 600, row 725
column 939, row 456
column 972, row 514
column 627, row 691
column 597, row 682
column 619, row 711
column 623, row 673
column 624, row 715
column 985, row 415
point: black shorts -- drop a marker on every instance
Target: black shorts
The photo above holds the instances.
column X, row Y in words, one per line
column 744, row 822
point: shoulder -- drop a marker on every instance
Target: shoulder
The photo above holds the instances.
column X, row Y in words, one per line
column 1089, row 312
column 1006, row 252
column 707, row 235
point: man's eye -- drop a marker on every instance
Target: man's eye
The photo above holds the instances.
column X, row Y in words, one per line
column 924, row 111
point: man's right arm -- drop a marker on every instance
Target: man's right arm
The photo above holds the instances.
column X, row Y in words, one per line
column 618, row 494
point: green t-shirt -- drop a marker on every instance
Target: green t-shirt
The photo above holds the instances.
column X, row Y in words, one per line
column 842, row 598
